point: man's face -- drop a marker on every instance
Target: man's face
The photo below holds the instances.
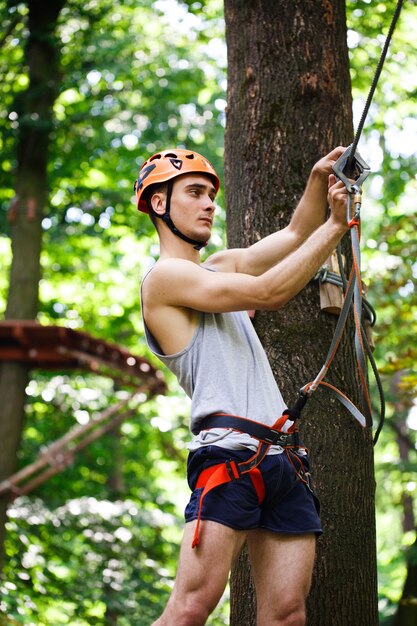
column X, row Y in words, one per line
column 192, row 205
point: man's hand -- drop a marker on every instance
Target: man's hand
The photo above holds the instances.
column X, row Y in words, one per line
column 312, row 209
column 323, row 167
column 337, row 199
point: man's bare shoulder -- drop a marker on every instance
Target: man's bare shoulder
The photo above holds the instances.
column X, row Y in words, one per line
column 225, row 260
column 168, row 277
column 170, row 269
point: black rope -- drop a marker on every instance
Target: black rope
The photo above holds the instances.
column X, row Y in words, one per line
column 374, row 83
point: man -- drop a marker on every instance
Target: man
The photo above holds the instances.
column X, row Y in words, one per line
column 245, row 485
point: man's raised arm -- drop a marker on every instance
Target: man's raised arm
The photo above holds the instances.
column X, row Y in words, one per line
column 308, row 216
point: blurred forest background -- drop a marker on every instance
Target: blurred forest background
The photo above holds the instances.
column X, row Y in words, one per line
column 97, row 543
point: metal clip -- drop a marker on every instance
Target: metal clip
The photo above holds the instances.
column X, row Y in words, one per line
column 354, row 204
column 352, row 172
column 357, row 198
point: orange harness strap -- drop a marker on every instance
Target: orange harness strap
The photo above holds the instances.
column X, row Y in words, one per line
column 219, row 475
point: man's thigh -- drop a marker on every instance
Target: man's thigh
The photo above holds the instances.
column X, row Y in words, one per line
column 203, row 571
column 282, row 566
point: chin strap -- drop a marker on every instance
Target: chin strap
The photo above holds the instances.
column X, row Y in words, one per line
column 166, row 217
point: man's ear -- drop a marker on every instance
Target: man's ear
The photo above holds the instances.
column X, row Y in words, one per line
column 158, row 202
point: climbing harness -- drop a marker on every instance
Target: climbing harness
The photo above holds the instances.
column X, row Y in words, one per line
column 352, row 170
column 229, row 471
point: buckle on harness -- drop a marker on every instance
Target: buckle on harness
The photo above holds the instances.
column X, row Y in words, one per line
column 232, row 469
column 284, row 439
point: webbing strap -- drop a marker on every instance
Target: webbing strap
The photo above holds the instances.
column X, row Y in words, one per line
column 341, row 322
column 357, row 311
column 352, row 299
column 262, row 432
column 223, row 473
column 209, row 479
column 348, row 404
column 346, row 172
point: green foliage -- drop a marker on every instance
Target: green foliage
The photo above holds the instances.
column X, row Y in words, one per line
column 87, row 557
column 138, row 77
column 71, row 548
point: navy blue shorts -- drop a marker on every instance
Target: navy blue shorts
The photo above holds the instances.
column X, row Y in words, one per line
column 289, row 505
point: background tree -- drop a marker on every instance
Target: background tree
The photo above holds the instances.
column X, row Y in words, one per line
column 34, row 108
column 276, row 130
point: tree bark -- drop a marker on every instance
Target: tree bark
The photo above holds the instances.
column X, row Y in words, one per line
column 289, row 103
column 406, row 614
column 35, row 111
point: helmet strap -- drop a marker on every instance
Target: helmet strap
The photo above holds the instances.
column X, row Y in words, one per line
column 166, row 217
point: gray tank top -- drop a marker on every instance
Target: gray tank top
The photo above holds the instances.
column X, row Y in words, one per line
column 224, row 369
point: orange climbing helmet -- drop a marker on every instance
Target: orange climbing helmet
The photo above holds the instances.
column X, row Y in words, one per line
column 168, row 164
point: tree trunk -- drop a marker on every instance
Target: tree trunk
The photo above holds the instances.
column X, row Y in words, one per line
column 406, row 614
column 289, row 103
column 35, row 111
column 115, row 484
